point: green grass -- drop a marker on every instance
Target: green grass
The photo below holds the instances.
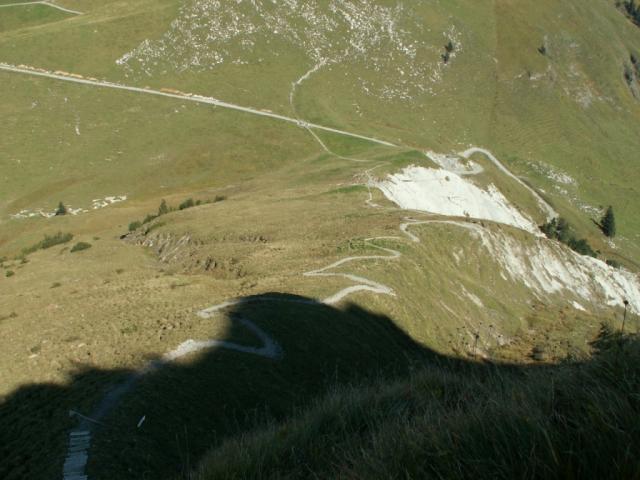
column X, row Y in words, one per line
column 449, row 420
column 19, row 17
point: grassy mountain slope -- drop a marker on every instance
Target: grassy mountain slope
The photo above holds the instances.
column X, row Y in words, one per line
column 436, row 422
column 279, row 202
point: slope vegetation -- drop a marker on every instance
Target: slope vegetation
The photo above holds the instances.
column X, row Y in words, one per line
column 275, row 206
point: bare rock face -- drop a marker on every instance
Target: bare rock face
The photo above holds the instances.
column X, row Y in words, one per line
column 187, row 254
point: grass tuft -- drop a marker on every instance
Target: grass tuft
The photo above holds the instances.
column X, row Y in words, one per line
column 447, row 421
column 78, row 247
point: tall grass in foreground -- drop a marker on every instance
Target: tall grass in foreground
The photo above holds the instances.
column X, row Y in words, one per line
column 451, row 420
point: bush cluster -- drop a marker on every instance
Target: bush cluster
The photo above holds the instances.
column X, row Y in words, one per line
column 448, row 50
column 80, row 246
column 632, row 9
column 559, row 229
column 164, row 208
column 48, row 242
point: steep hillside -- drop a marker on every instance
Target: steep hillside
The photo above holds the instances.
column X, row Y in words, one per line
column 434, row 424
column 263, row 201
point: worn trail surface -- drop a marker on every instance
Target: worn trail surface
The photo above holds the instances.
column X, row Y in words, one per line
column 186, row 97
column 542, row 203
column 47, row 4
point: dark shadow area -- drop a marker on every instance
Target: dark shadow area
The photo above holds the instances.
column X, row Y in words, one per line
column 195, row 403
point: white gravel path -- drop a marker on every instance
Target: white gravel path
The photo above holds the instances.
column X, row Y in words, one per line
column 187, row 97
column 548, row 209
column 48, row 4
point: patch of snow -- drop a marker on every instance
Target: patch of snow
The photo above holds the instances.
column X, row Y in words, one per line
column 447, row 193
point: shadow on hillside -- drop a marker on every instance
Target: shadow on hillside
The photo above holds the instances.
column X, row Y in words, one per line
column 192, row 404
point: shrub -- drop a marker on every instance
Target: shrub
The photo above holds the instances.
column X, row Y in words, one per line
column 134, row 225
column 188, row 203
column 78, row 247
column 542, row 50
column 61, row 210
column 57, row 239
column 9, row 273
column 635, row 62
column 219, row 198
column 48, row 242
column 628, row 74
column 163, row 209
column 549, row 228
column 582, row 247
column 613, row 263
column 632, row 10
column 563, row 230
column 559, row 229
column 538, row 353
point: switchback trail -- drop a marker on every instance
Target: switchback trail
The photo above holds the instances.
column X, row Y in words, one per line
column 77, row 456
column 80, row 437
column 364, row 283
column 542, row 203
column 292, row 95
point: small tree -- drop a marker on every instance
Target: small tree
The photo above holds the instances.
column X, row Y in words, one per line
column 628, row 74
column 448, row 50
column 632, row 10
column 608, row 223
column 188, row 203
column 163, row 209
column 550, row 229
column 563, row 230
column 61, row 210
